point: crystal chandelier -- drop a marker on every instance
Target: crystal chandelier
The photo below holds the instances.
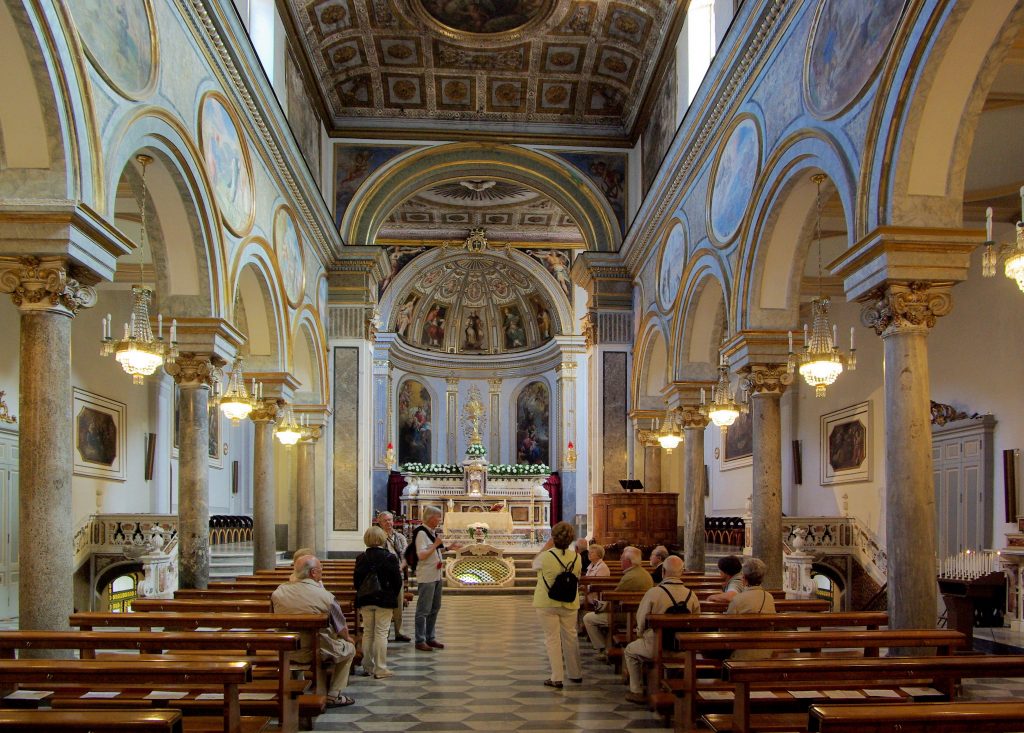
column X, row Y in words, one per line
column 288, row 431
column 723, row 408
column 1014, row 265
column 820, row 361
column 236, row 403
column 670, row 436
column 140, row 353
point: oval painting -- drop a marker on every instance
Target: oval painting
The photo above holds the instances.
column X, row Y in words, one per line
column 846, row 43
column 227, row 163
column 289, row 256
column 486, row 16
column 670, row 270
column 733, row 182
column 118, row 38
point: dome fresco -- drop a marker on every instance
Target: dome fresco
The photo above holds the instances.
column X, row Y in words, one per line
column 475, row 303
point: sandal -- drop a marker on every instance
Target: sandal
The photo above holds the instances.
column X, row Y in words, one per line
column 340, row 701
column 551, row 683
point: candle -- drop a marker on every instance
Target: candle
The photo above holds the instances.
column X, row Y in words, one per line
column 160, row 326
column 835, row 334
column 254, row 386
column 126, row 332
column 702, row 395
column 790, row 342
column 805, row 335
column 851, row 338
column 174, row 329
column 103, row 328
column 1022, row 202
column 988, row 224
column 132, row 321
column 110, row 325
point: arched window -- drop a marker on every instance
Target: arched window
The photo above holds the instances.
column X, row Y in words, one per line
column 533, row 418
column 122, row 591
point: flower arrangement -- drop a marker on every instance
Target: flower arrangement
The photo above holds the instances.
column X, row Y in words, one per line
column 518, row 469
column 476, row 450
column 434, row 469
column 472, row 529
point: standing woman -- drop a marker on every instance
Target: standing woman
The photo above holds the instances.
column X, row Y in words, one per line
column 558, row 618
column 377, row 607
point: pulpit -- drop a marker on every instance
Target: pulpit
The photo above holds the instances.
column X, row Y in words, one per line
column 635, row 517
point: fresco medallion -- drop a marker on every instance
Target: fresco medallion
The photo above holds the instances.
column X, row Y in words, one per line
column 670, row 269
column 120, row 40
column 289, row 256
column 227, row 163
column 733, row 180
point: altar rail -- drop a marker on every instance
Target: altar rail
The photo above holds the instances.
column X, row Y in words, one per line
column 111, row 534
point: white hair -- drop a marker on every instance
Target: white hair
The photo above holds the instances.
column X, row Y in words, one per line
column 430, row 511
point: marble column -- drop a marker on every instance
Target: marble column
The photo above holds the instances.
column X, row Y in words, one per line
column 306, row 495
column 48, row 298
column 161, row 403
column 264, row 542
column 694, row 424
column 766, row 383
column 902, row 315
column 194, row 375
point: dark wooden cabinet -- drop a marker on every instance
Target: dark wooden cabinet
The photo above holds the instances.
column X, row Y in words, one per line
column 645, row 518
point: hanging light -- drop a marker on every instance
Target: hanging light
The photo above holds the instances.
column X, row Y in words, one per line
column 1014, row 265
column 820, row 361
column 140, row 353
column 670, row 437
column 723, row 408
column 288, row 431
column 235, row 402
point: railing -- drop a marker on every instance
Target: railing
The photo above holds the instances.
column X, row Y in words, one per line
column 838, row 536
column 113, row 534
column 724, row 530
column 226, row 529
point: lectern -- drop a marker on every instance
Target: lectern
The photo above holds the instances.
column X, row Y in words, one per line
column 635, row 516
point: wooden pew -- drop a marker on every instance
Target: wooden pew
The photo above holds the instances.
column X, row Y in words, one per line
column 345, row 599
column 129, row 674
column 155, row 645
column 942, row 673
column 869, row 643
column 922, row 717
column 90, row 721
column 218, row 605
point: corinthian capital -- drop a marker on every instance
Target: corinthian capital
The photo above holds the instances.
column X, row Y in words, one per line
column 311, row 433
column 767, row 379
column 692, row 417
column 45, row 284
column 195, row 369
column 905, row 306
column 266, row 411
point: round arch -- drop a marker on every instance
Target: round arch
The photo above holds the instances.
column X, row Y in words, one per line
column 652, row 357
column 701, row 319
column 409, row 174
column 309, row 346
column 258, row 306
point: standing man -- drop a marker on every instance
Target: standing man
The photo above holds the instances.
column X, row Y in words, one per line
column 634, row 577
column 396, row 544
column 429, row 578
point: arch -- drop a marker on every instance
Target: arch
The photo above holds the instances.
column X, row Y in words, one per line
column 257, row 306
column 532, row 403
column 187, row 242
column 409, row 174
column 652, row 359
column 945, row 70
column 414, row 415
column 701, row 320
column 309, row 352
column 774, row 249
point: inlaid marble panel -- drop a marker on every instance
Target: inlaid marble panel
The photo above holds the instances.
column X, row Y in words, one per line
column 346, row 439
column 613, row 419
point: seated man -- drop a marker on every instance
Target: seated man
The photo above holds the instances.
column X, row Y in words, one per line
column 729, row 569
column 753, row 599
column 658, row 555
column 635, row 578
column 305, row 594
column 659, row 599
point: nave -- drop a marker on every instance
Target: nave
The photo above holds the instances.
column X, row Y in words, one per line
column 490, row 677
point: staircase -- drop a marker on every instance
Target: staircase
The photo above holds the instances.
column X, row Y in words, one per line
column 229, row 560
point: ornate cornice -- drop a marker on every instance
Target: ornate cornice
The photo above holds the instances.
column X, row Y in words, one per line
column 45, row 284
column 767, row 379
column 910, row 306
column 5, row 413
column 195, row 369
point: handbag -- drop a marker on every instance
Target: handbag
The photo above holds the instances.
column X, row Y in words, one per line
column 369, row 587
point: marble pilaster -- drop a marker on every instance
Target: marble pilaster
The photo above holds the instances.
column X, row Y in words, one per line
column 264, row 543
column 694, row 424
column 451, row 401
column 194, row 374
column 48, row 294
column 494, row 420
column 306, row 488
column 766, row 383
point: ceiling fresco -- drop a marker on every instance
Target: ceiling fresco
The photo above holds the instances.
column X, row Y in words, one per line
column 581, row 65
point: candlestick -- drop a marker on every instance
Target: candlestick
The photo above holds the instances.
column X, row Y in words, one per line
column 988, row 224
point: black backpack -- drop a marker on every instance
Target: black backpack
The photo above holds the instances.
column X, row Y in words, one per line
column 412, row 558
column 678, row 607
column 563, row 587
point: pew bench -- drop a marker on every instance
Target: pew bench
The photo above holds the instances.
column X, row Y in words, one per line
column 214, row 605
column 854, row 677
column 925, row 717
column 91, row 721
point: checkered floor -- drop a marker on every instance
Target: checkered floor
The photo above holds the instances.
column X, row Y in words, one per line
column 490, row 678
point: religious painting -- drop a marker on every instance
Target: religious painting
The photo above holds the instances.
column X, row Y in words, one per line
column 473, row 336
column 738, row 443
column 405, row 315
column 485, row 16
column 846, row 43
column 289, row 256
column 846, row 445
column 100, row 437
column 353, row 164
column 414, row 429
column 120, row 41
column 532, row 418
column 301, row 115
column 608, row 171
column 512, row 327
column 733, row 182
column 398, row 257
column 661, row 128
column 227, row 163
column 557, row 263
column 542, row 317
column 670, row 269
column 433, row 326
column 213, row 437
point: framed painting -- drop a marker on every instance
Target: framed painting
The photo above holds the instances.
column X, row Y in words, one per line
column 846, row 445
column 100, row 439
column 738, row 443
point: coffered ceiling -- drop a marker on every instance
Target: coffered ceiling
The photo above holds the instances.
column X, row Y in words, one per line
column 559, row 67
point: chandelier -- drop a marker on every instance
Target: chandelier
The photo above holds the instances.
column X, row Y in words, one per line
column 820, row 362
column 1014, row 265
column 670, row 436
column 235, row 402
column 723, row 408
column 288, row 431
column 140, row 353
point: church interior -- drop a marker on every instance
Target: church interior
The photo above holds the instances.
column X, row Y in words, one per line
column 733, row 277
